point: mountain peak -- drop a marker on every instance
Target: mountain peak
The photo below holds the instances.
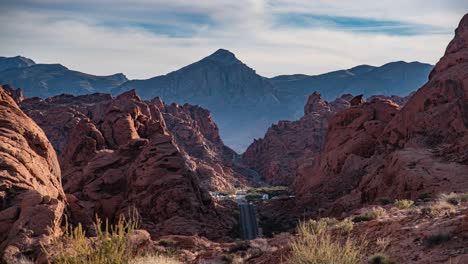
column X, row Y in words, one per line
column 223, row 56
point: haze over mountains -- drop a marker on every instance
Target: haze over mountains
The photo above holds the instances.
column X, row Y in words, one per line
column 243, row 103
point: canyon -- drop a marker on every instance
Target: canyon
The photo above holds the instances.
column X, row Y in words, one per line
column 111, row 154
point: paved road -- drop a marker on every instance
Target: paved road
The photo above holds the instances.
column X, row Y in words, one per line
column 248, row 221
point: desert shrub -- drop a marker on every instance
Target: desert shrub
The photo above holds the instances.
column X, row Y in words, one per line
column 384, row 200
column 437, row 208
column 464, row 197
column 436, row 239
column 382, row 243
column 381, row 259
column 403, row 204
column 451, row 198
column 228, row 258
column 372, row 214
column 167, row 243
column 345, row 226
column 240, row 246
column 155, row 259
column 315, row 244
column 425, row 196
column 112, row 244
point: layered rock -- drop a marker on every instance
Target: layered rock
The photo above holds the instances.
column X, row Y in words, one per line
column 292, row 146
column 119, row 155
column 197, row 135
column 31, row 196
column 374, row 150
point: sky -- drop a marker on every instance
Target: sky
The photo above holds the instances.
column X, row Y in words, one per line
column 146, row 38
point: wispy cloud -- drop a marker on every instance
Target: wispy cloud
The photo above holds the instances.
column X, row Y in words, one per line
column 145, row 38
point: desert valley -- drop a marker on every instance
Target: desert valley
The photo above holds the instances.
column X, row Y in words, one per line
column 215, row 163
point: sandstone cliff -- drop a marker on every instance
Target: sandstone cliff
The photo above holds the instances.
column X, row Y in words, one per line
column 291, row 146
column 116, row 154
column 374, row 149
column 31, row 196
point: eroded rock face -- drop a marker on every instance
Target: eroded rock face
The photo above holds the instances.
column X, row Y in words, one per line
column 422, row 148
column 31, row 195
column 119, row 155
column 197, row 135
column 292, row 146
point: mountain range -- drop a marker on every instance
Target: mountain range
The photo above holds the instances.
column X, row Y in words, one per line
column 243, row 103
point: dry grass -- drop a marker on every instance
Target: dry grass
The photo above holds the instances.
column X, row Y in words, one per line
column 112, row 244
column 403, row 204
column 371, row 214
column 315, row 244
column 438, row 208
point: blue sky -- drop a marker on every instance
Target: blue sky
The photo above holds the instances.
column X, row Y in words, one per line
column 144, row 38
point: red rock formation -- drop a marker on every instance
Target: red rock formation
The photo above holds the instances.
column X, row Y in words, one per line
column 423, row 148
column 119, row 155
column 357, row 100
column 292, row 146
column 31, row 195
column 197, row 135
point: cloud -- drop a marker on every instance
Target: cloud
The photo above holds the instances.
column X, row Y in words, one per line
column 145, row 38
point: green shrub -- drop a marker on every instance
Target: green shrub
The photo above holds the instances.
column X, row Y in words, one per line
column 228, row 258
column 384, row 200
column 167, row 243
column 240, row 246
column 315, row 244
column 372, row 214
column 425, row 196
column 437, row 239
column 381, row 259
column 111, row 246
column 403, row 204
column 451, row 198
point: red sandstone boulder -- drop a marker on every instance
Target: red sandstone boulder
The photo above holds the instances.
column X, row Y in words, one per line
column 31, row 195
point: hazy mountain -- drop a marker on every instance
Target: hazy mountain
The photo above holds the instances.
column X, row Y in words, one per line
column 394, row 78
column 46, row 80
column 14, row 62
column 243, row 103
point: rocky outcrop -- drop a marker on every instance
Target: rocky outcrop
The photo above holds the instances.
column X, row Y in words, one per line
column 374, row 150
column 31, row 196
column 197, row 135
column 292, row 146
column 119, row 155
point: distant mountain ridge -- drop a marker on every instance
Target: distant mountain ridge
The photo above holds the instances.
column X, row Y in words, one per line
column 243, row 103
column 46, row 80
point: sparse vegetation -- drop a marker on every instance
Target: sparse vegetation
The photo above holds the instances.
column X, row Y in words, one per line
column 403, row 204
column 437, row 239
column 167, row 243
column 437, row 208
column 384, row 200
column 228, row 258
column 381, row 259
column 315, row 244
column 112, row 244
column 372, row 214
column 345, row 226
column 425, row 196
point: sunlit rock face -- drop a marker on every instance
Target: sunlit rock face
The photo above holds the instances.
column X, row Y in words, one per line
column 375, row 149
column 31, row 195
